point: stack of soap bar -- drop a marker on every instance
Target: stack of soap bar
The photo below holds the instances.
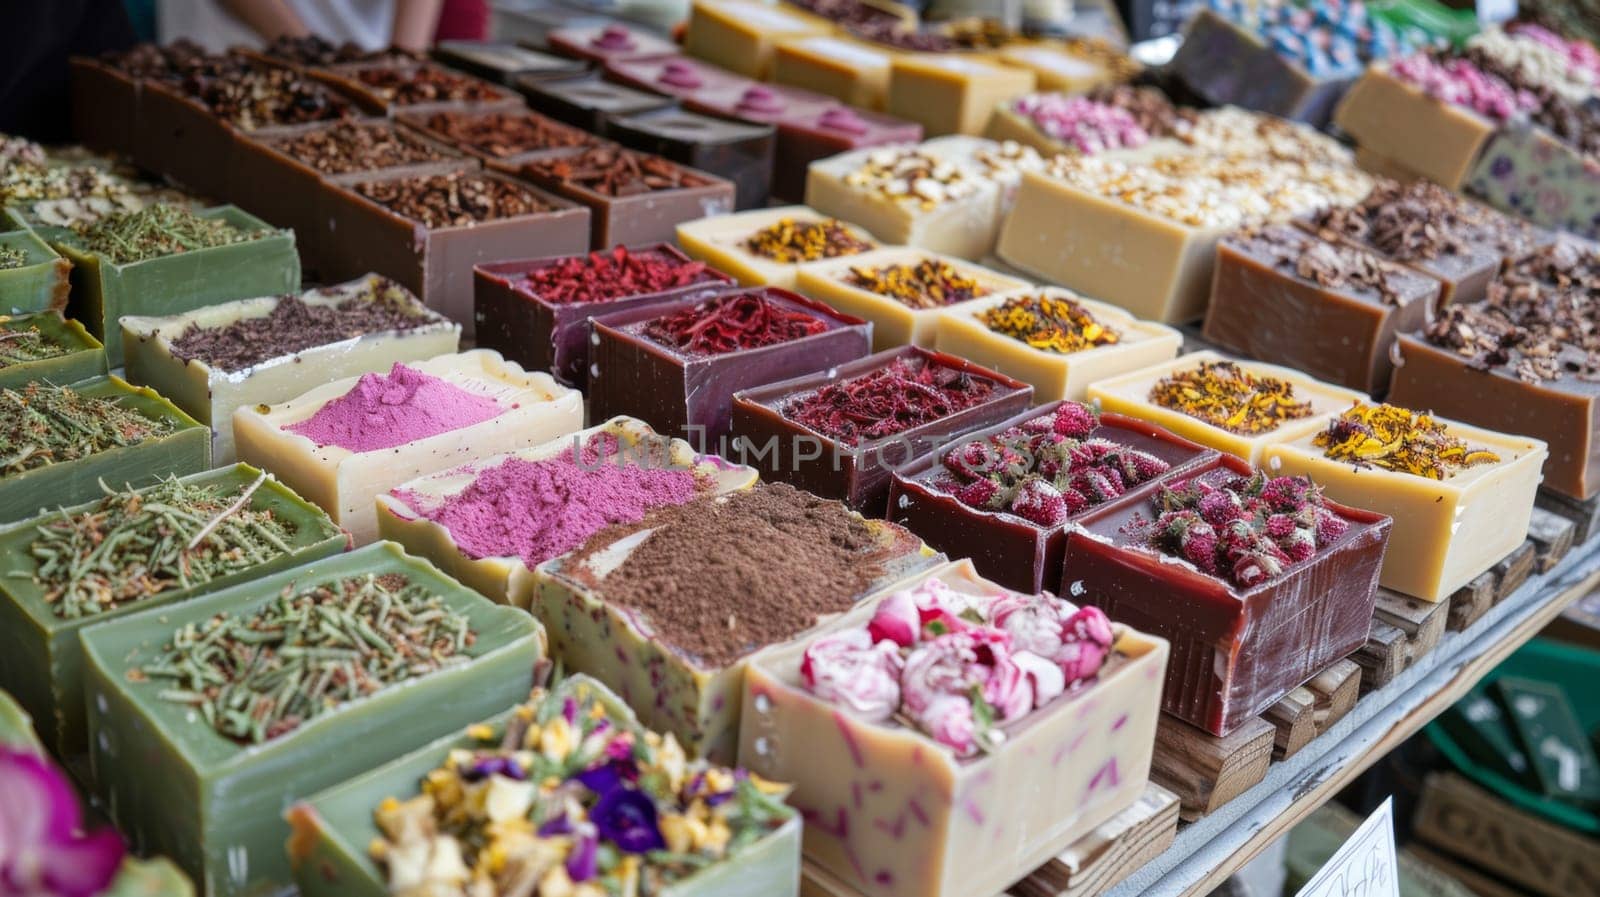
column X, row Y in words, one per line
column 908, row 196
column 34, row 278
column 766, row 247
column 489, row 523
column 586, row 102
column 51, row 594
column 903, row 292
column 223, row 825
column 632, row 197
column 499, row 62
column 46, row 347
column 851, row 71
column 674, row 75
column 741, row 35
column 1012, row 519
column 1258, row 581
column 819, row 713
column 1460, row 497
column 1238, row 407
column 952, row 94
column 1074, row 65
column 1331, row 309
column 741, row 152
column 537, row 312
column 1053, row 339
column 668, row 611
column 343, row 443
column 677, row 365
column 394, row 813
column 840, row 432
column 212, row 361
column 604, row 43
column 1519, row 362
column 1563, row 764
column 59, row 442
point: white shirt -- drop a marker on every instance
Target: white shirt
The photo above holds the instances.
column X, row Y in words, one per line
column 367, row 23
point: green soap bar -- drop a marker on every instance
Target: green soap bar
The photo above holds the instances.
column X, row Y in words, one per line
column 41, row 659
column 41, row 284
column 177, row 786
column 16, row 727
column 102, row 292
column 186, row 450
column 1563, row 762
column 329, row 847
column 1477, row 723
column 85, row 357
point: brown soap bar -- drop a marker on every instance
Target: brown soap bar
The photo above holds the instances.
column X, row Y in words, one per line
column 505, row 137
column 740, row 151
column 586, row 102
column 1331, row 309
column 498, row 62
column 632, row 197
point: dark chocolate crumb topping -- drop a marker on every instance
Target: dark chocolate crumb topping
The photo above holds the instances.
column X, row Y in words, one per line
column 1332, row 266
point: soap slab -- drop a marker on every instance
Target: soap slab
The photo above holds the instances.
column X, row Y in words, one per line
column 83, row 357
column 346, row 484
column 741, row 152
column 1546, row 726
column 103, row 291
column 647, row 216
column 587, row 102
column 1005, row 548
column 452, row 89
column 1255, row 76
column 602, row 43
column 1235, row 651
column 41, row 284
column 894, row 323
column 1071, row 66
column 42, row 662
column 849, row 70
column 723, row 243
column 183, row 451
column 1398, row 121
column 690, row 396
column 176, row 135
column 216, row 808
column 544, row 335
column 959, row 331
column 333, row 830
column 1262, row 307
column 1130, row 394
column 848, row 188
column 103, row 104
column 674, row 75
column 893, row 813
column 498, row 61
column 508, row 579
column 786, row 451
column 211, row 394
column 1524, row 170
column 741, row 35
column 1446, row 532
column 500, row 138
column 952, row 94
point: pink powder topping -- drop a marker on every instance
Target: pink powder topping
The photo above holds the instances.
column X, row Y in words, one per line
column 1085, row 125
column 1460, row 83
column 386, row 410
column 537, row 510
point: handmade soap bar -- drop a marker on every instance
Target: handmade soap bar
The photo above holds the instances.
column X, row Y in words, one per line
column 489, row 523
column 428, row 231
column 1527, row 171
column 677, row 365
column 499, row 62
column 587, row 102
column 839, row 433
column 952, row 94
column 343, row 443
column 337, row 831
column 1238, row 407
column 44, row 346
column 387, row 88
column 1057, row 764
column 1479, row 726
column 740, row 35
column 32, row 276
column 1253, row 612
column 1055, row 123
column 1276, row 68
column 902, row 291
column 1002, row 162
column 57, row 443
column 1564, row 766
column 500, row 136
column 963, row 500
column 852, row 71
column 766, row 247
column 668, row 611
column 611, row 41
column 1053, row 339
column 1395, row 118
column 905, row 195
column 1071, row 66
column 675, row 75
column 213, row 361
column 216, row 810
column 1460, row 496
column 632, row 197
column 249, row 526
column 1330, row 309
column 741, row 152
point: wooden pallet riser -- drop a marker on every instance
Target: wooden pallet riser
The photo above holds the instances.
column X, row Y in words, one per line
column 1585, row 515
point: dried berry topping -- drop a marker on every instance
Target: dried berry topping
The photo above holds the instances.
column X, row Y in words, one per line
column 458, row 199
column 1400, row 440
column 930, row 283
column 358, row 146
column 789, row 241
column 604, row 276
column 1225, row 395
column 733, row 322
column 1049, row 323
column 505, row 134
column 1150, row 108
column 614, row 171
column 907, row 393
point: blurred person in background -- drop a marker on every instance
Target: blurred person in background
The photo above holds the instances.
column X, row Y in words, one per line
column 369, row 24
column 463, row 20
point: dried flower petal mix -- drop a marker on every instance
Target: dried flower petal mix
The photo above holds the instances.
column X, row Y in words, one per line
column 1400, row 440
column 930, row 283
column 907, row 393
column 1225, row 395
column 791, row 241
column 1049, row 323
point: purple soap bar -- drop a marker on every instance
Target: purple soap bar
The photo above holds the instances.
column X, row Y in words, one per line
column 674, row 75
column 602, row 43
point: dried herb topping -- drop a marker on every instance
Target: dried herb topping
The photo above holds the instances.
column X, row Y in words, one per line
column 42, row 424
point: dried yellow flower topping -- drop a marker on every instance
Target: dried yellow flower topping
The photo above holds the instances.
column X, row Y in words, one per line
column 1049, row 323
column 790, row 241
column 929, row 283
column 1225, row 395
column 1400, row 440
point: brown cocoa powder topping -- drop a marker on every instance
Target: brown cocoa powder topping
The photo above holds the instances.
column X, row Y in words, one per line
column 1424, row 221
column 1332, row 266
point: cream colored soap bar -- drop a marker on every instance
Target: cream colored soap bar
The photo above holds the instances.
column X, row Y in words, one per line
column 723, row 242
column 1054, row 375
column 894, row 322
column 896, row 814
column 507, row 579
column 1446, row 532
column 346, row 484
column 908, row 196
column 1059, row 68
column 741, row 35
column 1130, row 394
column 1397, row 121
column 210, row 394
column 1001, row 161
column 949, row 94
column 851, row 71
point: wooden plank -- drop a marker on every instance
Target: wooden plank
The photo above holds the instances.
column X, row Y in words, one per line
column 1423, row 622
column 1293, row 722
column 1472, row 601
column 1207, row 771
column 1336, row 689
column 1382, row 657
column 1585, row 515
column 1105, row 856
column 1513, row 570
column 1551, row 535
column 1459, row 818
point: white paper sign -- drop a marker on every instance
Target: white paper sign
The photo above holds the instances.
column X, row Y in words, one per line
column 1365, row 866
column 1491, row 11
